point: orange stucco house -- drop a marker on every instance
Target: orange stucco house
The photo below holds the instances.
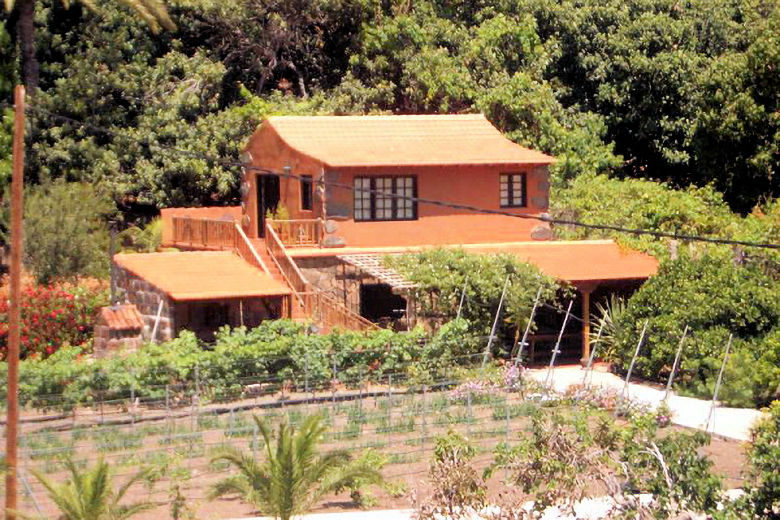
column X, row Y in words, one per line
column 324, row 197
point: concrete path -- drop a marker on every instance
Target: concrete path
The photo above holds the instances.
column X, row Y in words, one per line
column 731, row 423
column 388, row 514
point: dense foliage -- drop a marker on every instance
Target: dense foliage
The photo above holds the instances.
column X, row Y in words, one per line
column 278, row 352
column 65, row 231
column 715, row 297
column 443, row 275
column 565, row 456
column 763, row 455
column 53, row 317
column 654, row 89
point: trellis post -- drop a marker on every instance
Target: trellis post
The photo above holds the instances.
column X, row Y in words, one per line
column 523, row 342
column 625, row 392
column 389, row 407
column 462, row 296
column 710, row 417
column 674, row 365
column 495, row 324
column 548, row 380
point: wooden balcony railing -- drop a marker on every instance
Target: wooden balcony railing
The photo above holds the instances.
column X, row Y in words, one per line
column 216, row 235
column 298, row 233
column 204, row 233
column 247, row 251
column 227, row 235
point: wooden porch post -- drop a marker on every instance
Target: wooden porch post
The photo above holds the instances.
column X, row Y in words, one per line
column 585, row 327
column 585, row 290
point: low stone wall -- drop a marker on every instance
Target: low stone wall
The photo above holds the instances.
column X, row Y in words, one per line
column 146, row 298
column 335, row 278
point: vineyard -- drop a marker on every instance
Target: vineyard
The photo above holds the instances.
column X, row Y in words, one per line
column 395, row 417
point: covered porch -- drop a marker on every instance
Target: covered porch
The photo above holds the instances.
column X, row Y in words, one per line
column 199, row 291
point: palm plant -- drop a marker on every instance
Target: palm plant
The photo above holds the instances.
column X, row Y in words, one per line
column 607, row 326
column 88, row 494
column 292, row 476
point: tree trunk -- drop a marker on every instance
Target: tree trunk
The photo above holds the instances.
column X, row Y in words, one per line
column 26, row 36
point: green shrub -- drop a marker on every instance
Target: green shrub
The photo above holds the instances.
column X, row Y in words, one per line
column 442, row 274
column 644, row 204
column 275, row 352
column 66, row 235
column 763, row 455
column 714, row 297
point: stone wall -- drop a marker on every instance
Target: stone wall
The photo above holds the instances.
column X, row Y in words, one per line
column 342, row 281
column 146, row 297
column 335, row 278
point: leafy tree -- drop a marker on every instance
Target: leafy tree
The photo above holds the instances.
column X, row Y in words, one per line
column 737, row 135
column 6, row 160
column 88, row 495
column 426, row 59
column 293, row 476
column 715, row 298
column 295, row 45
column 644, row 66
column 65, row 231
column 635, row 203
column 153, row 12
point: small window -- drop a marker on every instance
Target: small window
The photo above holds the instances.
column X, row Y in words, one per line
column 385, row 198
column 512, row 190
column 307, row 192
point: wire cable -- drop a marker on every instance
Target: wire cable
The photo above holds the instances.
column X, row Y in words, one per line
column 421, row 200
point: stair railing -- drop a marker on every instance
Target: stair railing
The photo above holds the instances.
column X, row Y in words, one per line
column 315, row 303
column 247, row 251
column 287, row 266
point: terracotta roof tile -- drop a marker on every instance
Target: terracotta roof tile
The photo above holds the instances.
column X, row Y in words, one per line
column 121, row 317
column 351, row 141
column 581, row 261
column 572, row 261
column 201, row 275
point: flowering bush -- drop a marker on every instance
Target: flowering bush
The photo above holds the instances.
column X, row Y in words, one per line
column 478, row 390
column 51, row 317
column 513, row 377
column 597, row 397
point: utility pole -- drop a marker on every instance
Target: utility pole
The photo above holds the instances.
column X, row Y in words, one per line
column 12, row 418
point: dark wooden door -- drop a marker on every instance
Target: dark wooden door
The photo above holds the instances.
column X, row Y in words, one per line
column 268, row 195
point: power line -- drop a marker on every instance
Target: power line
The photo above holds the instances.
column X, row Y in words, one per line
column 421, row 200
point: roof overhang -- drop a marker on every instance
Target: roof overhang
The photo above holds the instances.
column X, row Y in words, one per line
column 201, row 275
column 384, row 141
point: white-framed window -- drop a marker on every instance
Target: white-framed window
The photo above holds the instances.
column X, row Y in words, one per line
column 512, row 190
column 385, row 198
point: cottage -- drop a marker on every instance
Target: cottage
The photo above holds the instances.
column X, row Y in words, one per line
column 324, row 197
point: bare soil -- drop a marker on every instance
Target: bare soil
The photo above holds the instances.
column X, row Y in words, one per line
column 178, row 442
